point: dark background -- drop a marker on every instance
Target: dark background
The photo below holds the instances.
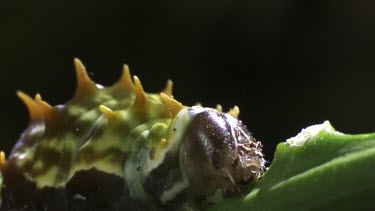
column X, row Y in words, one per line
column 286, row 64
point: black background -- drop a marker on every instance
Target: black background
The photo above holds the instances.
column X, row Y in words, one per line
column 286, row 64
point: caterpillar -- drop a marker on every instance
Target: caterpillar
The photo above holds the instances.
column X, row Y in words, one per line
column 120, row 148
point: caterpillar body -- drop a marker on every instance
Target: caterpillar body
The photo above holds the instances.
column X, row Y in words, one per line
column 120, row 148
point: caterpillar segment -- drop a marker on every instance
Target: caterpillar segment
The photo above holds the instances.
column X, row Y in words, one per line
column 120, row 148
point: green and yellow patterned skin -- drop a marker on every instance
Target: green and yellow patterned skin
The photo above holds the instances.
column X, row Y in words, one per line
column 120, row 148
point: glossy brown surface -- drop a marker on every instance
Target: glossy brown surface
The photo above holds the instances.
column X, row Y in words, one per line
column 219, row 152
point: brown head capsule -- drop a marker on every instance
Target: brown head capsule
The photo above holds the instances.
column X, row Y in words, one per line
column 218, row 152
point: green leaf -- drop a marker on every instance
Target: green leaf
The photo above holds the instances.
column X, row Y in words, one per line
column 319, row 169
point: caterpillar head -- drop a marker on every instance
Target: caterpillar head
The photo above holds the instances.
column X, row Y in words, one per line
column 218, row 152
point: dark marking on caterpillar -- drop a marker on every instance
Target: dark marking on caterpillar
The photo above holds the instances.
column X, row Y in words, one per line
column 121, row 148
column 152, row 153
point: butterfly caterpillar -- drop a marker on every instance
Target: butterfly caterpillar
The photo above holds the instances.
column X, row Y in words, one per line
column 120, row 148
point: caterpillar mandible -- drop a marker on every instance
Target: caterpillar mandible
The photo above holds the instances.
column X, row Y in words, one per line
column 120, row 148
